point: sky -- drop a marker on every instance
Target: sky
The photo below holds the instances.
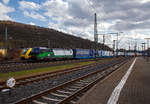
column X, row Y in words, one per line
column 129, row 18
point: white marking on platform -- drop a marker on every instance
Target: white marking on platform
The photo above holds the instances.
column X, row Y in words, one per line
column 115, row 94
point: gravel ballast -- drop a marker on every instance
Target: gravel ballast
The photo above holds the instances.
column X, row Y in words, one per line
column 34, row 88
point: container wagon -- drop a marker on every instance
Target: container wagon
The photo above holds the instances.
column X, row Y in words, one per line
column 83, row 53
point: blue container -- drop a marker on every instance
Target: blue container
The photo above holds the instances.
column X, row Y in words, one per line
column 103, row 53
column 83, row 53
column 100, row 54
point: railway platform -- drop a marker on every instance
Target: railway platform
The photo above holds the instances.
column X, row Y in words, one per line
column 130, row 84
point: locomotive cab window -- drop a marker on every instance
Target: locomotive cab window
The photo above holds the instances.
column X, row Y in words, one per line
column 24, row 52
column 35, row 51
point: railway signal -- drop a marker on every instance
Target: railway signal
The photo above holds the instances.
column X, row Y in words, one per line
column 10, row 83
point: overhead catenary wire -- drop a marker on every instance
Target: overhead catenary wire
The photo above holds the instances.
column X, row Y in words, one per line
column 91, row 6
column 93, row 9
column 100, row 24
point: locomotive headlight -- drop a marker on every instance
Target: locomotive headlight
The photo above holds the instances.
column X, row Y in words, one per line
column 49, row 55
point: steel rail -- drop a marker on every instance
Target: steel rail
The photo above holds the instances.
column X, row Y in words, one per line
column 39, row 77
column 30, row 65
column 36, row 96
column 85, row 88
column 22, row 81
column 30, row 79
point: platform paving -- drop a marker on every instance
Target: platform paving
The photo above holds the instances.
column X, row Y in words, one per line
column 136, row 90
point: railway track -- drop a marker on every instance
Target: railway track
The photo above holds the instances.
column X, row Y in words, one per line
column 36, row 78
column 70, row 92
column 5, row 62
column 27, row 65
column 30, row 79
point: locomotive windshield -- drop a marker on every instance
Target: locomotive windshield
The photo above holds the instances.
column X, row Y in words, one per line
column 24, row 52
column 35, row 51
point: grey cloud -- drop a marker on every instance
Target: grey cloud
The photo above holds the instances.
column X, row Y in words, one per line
column 80, row 13
column 127, row 11
column 76, row 22
column 124, row 14
column 131, row 26
column 76, row 10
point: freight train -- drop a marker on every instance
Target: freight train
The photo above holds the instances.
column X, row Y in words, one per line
column 43, row 53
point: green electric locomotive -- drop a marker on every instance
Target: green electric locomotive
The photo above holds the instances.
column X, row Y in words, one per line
column 43, row 53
